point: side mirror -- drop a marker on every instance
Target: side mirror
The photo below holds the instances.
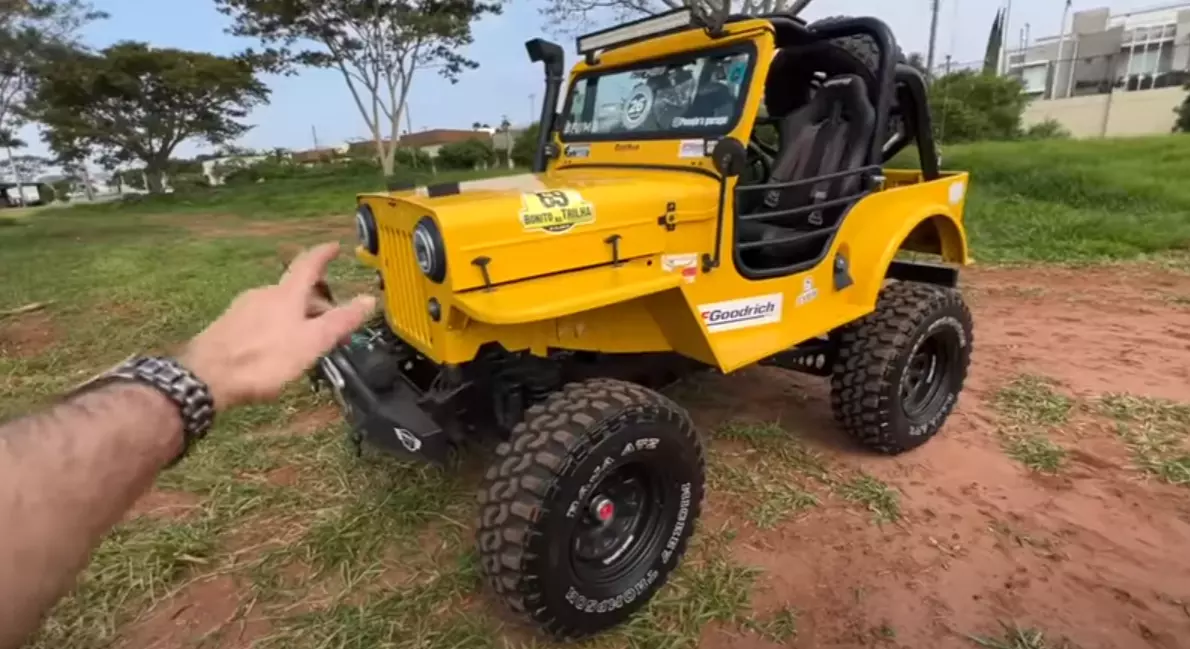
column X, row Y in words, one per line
column 730, row 156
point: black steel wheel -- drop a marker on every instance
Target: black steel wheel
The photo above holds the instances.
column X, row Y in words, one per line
column 589, row 506
column 900, row 369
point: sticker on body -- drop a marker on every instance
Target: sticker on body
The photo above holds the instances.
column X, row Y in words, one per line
column 555, row 211
column 742, row 314
column 686, row 265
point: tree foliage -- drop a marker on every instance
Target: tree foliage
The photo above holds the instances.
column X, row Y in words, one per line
column 1183, row 123
column 991, row 57
column 525, row 145
column 25, row 167
column 135, row 102
column 1050, row 129
column 416, row 158
column 467, row 154
column 970, row 106
column 29, row 29
column 377, row 46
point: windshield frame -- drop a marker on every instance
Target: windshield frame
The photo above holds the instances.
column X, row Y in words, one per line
column 747, row 47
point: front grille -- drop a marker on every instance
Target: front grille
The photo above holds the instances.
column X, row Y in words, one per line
column 404, row 286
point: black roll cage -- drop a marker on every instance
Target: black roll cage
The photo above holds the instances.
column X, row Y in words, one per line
column 897, row 84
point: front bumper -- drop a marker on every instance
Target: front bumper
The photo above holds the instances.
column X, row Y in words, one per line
column 385, row 408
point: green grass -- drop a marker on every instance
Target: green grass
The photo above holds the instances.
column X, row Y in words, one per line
column 1031, row 408
column 780, row 626
column 879, row 498
column 1156, row 431
column 1076, row 200
column 1033, row 400
column 1034, row 450
column 1016, row 637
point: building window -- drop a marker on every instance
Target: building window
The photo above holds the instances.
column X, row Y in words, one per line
column 1034, row 78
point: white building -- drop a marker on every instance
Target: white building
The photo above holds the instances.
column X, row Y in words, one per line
column 1109, row 74
column 1140, row 50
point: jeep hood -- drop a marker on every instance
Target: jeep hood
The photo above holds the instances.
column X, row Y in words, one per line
column 550, row 223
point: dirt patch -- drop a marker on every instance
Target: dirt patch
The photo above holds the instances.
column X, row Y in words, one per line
column 27, row 335
column 1093, row 554
column 1094, row 329
column 160, row 503
column 306, row 422
column 207, row 612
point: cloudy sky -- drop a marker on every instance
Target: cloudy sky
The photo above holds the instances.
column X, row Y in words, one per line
column 505, row 82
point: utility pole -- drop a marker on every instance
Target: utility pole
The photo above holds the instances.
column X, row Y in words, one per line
column 949, row 58
column 935, row 7
column 1061, row 55
column 314, row 132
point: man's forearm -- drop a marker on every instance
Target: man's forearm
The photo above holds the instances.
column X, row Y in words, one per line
column 67, row 476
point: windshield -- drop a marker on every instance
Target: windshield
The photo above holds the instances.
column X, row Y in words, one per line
column 695, row 95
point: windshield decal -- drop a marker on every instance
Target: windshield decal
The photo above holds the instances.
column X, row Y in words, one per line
column 637, row 108
column 555, row 211
column 686, row 122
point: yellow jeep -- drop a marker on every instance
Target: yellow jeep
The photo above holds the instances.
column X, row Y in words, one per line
column 712, row 194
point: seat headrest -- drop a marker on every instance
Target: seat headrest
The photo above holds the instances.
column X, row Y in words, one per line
column 847, row 91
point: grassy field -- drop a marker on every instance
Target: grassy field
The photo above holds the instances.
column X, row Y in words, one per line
column 334, row 551
column 1077, row 201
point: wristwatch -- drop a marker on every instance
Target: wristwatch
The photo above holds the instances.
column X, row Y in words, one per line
column 169, row 377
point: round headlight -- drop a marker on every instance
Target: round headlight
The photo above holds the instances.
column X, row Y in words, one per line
column 365, row 229
column 428, row 250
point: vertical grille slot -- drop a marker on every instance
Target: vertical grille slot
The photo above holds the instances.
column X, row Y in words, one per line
column 404, row 285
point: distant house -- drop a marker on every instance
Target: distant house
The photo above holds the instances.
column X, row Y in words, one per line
column 429, row 142
column 432, row 140
column 321, row 154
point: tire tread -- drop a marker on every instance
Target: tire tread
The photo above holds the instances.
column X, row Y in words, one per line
column 868, row 350
column 543, row 448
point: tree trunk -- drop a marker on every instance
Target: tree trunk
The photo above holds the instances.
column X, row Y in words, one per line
column 387, row 157
column 153, row 177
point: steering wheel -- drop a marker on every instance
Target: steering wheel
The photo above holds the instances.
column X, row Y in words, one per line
column 760, row 159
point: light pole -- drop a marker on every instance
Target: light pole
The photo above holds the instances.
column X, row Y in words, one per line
column 935, row 7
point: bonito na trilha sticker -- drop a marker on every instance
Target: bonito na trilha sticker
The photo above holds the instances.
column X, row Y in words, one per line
column 555, row 211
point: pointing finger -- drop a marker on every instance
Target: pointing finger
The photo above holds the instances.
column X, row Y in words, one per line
column 337, row 324
column 309, row 267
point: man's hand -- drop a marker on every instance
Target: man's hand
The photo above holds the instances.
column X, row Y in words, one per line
column 269, row 336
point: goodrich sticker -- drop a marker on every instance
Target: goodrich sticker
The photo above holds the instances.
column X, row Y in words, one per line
column 741, row 314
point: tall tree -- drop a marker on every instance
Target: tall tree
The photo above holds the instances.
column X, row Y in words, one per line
column 28, row 28
column 376, row 45
column 991, row 58
column 135, row 102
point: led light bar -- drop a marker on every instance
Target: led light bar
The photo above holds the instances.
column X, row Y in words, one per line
column 634, row 31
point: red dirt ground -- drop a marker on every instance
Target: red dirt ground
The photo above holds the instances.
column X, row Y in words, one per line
column 1096, row 554
column 27, row 335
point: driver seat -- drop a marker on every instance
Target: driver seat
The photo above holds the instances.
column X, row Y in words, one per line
column 831, row 133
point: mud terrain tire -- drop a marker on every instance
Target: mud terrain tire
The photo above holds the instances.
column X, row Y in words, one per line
column 541, row 523
column 917, row 333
